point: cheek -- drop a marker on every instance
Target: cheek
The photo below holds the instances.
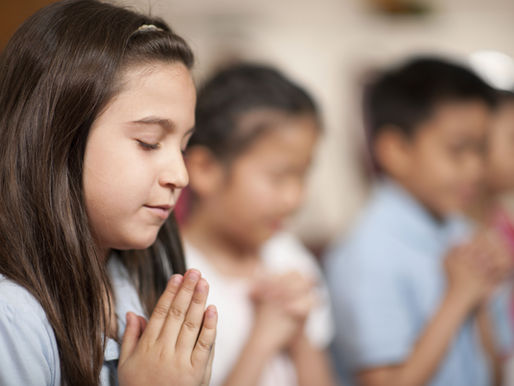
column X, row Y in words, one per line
column 248, row 199
column 115, row 184
column 114, row 171
column 260, row 193
column 433, row 166
column 501, row 165
column 440, row 179
column 505, row 155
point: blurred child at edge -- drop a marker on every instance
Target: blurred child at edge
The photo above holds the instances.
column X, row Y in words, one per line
column 409, row 282
column 256, row 133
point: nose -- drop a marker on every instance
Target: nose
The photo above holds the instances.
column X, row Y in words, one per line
column 174, row 173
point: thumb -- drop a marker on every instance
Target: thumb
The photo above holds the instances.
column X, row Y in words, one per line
column 142, row 323
column 131, row 336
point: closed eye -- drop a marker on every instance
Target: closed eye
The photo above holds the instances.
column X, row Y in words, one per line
column 148, row 146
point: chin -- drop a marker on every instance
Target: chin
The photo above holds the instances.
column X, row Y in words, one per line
column 139, row 242
column 454, row 209
column 264, row 236
column 143, row 244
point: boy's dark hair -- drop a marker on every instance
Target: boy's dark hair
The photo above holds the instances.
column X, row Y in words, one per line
column 404, row 97
column 504, row 97
column 231, row 94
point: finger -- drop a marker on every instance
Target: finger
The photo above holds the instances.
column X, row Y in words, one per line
column 502, row 257
column 258, row 287
column 142, row 322
column 298, row 285
column 289, row 291
column 178, row 308
column 301, row 306
column 193, row 321
column 475, row 245
column 491, row 255
column 207, row 376
column 130, row 336
column 205, row 342
column 160, row 312
column 263, row 287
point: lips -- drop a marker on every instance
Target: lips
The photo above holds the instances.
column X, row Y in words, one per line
column 161, row 211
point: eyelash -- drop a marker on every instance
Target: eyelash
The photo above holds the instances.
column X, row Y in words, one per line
column 148, row 146
column 155, row 146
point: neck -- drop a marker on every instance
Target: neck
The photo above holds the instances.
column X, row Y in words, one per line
column 103, row 252
column 229, row 255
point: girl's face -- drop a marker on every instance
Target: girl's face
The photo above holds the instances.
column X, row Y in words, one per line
column 133, row 165
column 500, row 160
column 265, row 184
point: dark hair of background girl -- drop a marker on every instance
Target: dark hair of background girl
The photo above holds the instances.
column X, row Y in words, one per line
column 231, row 94
column 56, row 75
column 235, row 107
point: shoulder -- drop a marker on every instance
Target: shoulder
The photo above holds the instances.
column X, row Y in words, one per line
column 28, row 348
column 371, row 255
column 15, row 300
column 377, row 239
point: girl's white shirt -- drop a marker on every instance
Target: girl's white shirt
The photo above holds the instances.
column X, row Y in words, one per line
column 281, row 254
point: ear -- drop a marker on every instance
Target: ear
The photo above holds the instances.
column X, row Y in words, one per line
column 393, row 152
column 205, row 171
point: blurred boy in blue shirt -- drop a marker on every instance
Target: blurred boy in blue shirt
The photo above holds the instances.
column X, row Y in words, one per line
column 410, row 283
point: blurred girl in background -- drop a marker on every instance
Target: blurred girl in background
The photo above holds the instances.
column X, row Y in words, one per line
column 248, row 158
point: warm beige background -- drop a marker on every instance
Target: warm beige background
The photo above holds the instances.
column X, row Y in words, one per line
column 328, row 45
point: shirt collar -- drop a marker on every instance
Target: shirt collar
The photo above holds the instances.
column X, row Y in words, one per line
column 408, row 215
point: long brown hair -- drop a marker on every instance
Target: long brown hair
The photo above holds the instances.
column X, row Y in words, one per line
column 56, row 75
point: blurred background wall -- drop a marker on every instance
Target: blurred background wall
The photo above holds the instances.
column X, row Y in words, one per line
column 13, row 13
column 328, row 46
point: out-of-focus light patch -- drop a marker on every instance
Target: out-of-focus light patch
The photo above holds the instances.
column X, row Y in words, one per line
column 495, row 67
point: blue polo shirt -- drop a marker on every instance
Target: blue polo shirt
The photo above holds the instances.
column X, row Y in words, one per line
column 387, row 280
column 29, row 354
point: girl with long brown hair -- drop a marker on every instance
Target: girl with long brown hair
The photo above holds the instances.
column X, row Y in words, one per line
column 96, row 106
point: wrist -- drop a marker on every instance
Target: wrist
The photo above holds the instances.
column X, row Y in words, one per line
column 298, row 344
column 260, row 344
column 461, row 301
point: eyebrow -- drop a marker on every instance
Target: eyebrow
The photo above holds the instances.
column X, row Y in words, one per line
column 162, row 122
column 166, row 124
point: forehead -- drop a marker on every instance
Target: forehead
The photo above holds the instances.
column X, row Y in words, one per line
column 458, row 119
column 155, row 89
column 165, row 79
column 291, row 139
column 504, row 118
column 506, row 109
column 138, row 73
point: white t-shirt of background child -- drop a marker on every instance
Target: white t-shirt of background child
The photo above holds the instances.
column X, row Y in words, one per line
column 281, row 254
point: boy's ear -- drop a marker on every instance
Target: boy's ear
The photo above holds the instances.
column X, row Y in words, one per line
column 205, row 171
column 393, row 152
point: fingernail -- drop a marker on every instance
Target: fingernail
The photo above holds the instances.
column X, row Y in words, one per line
column 176, row 279
column 211, row 312
column 202, row 285
column 193, row 275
